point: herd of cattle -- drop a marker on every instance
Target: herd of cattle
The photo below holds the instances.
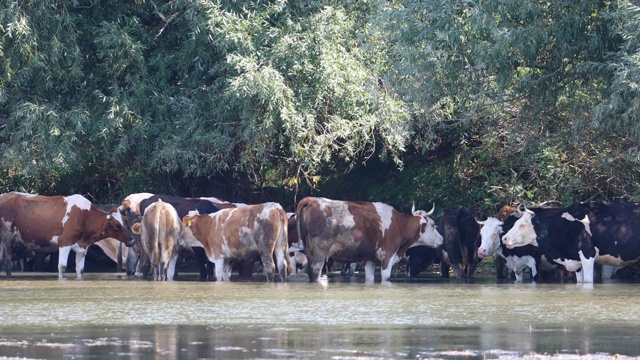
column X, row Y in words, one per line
column 154, row 229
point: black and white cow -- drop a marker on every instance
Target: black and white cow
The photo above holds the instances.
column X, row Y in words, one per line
column 615, row 227
column 517, row 259
column 562, row 238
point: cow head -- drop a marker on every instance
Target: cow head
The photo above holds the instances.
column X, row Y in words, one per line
column 490, row 231
column 429, row 235
column 522, row 233
column 116, row 227
column 506, row 211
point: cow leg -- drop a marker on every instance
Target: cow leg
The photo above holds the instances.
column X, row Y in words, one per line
column 608, row 271
column 519, row 273
column 219, row 268
column 171, row 267
column 534, row 273
column 459, row 271
column 369, row 271
column 81, row 253
column 63, row 256
column 385, row 273
column 282, row 265
column 444, row 269
column 501, row 268
column 587, row 267
column 132, row 261
column 268, row 267
column 5, row 256
column 226, row 270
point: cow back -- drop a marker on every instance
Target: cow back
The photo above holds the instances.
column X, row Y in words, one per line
column 182, row 205
column 37, row 219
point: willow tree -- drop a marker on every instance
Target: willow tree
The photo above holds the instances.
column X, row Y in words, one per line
column 191, row 88
column 510, row 84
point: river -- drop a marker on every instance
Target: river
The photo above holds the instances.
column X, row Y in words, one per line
column 109, row 316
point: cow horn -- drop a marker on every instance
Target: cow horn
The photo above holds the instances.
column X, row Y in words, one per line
column 529, row 211
column 433, row 208
column 519, row 209
column 413, row 207
column 479, row 222
column 109, row 217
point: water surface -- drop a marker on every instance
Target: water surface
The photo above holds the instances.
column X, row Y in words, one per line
column 107, row 315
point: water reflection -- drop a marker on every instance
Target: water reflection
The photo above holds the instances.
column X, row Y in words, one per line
column 111, row 317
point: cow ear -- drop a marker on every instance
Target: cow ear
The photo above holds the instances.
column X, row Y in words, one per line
column 137, row 228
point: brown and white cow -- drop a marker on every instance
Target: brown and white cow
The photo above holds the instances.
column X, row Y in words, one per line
column 350, row 231
column 243, row 233
column 69, row 222
column 162, row 238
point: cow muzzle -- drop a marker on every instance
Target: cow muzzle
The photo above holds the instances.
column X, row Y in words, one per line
column 509, row 243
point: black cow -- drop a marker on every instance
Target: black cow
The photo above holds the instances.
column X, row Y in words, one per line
column 183, row 206
column 461, row 239
column 420, row 257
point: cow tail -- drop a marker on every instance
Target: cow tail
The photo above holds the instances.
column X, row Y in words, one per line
column 157, row 242
column 284, row 236
column 302, row 230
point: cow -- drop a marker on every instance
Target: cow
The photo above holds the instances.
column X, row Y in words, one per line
column 130, row 207
column 162, row 238
column 562, row 238
column 243, row 233
column 517, row 259
column 352, row 231
column 461, row 239
column 419, row 258
column 612, row 226
column 182, row 207
column 69, row 222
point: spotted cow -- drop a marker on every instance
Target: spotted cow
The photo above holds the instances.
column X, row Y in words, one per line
column 68, row 222
column 244, row 233
column 350, row 231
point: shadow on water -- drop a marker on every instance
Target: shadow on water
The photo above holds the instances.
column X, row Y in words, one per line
column 107, row 315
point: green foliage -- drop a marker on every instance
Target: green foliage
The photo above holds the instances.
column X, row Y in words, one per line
column 461, row 103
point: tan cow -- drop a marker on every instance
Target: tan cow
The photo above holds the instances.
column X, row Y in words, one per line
column 349, row 231
column 162, row 238
column 242, row 233
column 69, row 222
